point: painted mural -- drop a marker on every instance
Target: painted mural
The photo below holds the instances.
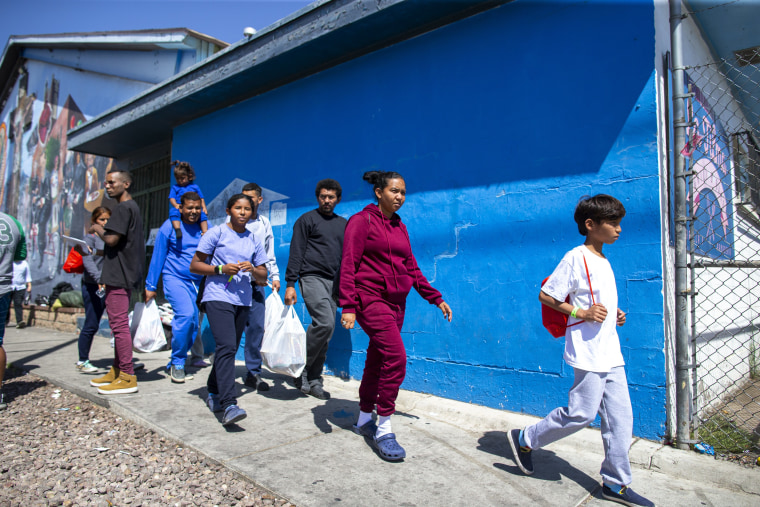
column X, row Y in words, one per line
column 50, row 189
column 708, row 149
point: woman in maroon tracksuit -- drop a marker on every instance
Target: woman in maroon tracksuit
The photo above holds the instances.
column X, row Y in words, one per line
column 377, row 272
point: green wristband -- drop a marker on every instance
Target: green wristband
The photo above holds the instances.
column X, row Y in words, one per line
column 574, row 312
column 219, row 269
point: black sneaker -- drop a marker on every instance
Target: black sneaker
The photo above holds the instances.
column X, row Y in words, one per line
column 255, row 382
column 626, row 496
column 522, row 455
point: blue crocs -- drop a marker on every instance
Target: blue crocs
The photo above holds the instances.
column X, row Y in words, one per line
column 367, row 430
column 388, row 447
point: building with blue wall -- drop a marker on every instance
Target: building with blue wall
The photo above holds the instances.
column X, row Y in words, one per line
column 500, row 116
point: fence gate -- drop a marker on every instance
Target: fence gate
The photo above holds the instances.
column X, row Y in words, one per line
column 723, row 194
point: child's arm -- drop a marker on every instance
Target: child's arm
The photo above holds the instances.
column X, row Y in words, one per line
column 173, row 202
column 620, row 317
column 203, row 205
column 597, row 313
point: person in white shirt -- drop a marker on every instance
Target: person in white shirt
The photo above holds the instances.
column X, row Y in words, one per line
column 254, row 330
column 21, row 284
column 592, row 348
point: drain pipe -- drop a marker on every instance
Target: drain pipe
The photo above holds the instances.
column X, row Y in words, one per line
column 683, row 368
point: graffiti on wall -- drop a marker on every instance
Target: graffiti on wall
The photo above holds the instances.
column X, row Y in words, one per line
column 711, row 195
column 50, row 189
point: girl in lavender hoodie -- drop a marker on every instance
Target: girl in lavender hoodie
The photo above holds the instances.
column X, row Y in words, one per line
column 377, row 272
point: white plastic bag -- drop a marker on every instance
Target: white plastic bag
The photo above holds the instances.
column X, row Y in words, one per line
column 274, row 310
column 283, row 348
column 147, row 330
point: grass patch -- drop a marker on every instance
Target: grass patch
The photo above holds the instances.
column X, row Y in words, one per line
column 724, row 437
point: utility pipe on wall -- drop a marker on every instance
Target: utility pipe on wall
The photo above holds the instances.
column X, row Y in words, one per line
column 683, row 366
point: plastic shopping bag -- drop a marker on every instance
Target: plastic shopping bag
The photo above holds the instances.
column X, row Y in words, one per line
column 147, row 330
column 283, row 348
column 275, row 310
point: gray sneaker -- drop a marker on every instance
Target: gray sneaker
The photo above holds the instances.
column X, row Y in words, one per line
column 178, row 375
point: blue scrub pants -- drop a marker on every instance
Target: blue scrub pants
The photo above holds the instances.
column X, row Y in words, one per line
column 254, row 332
column 181, row 293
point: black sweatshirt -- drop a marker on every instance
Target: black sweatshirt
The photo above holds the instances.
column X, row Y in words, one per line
column 316, row 247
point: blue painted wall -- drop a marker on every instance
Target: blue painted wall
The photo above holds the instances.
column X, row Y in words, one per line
column 499, row 124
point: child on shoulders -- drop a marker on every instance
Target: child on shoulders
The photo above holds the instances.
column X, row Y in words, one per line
column 185, row 175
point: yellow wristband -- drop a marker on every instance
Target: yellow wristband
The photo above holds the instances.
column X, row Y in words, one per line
column 574, row 312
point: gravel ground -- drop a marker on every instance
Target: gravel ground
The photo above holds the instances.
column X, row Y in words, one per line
column 60, row 449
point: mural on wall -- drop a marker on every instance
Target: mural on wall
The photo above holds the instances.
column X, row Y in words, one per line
column 707, row 147
column 50, row 189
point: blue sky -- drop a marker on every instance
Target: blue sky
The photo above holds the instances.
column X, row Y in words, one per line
column 223, row 19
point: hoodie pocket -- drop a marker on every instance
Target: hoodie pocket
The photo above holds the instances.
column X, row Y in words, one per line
column 397, row 287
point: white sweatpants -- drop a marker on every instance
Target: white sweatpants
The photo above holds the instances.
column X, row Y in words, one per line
column 592, row 393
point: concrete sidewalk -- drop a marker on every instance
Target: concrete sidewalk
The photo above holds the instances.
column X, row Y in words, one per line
column 304, row 450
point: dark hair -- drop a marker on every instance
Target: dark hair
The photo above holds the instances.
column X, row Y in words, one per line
column 235, row 198
column 252, row 187
column 380, row 179
column 189, row 196
column 183, row 169
column 328, row 184
column 126, row 176
column 97, row 212
column 601, row 207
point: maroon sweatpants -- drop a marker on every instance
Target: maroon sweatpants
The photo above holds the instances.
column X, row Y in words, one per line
column 117, row 307
column 385, row 367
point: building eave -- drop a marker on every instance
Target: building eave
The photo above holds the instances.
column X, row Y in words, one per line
column 322, row 35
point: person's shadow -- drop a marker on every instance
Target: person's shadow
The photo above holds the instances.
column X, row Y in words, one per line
column 547, row 465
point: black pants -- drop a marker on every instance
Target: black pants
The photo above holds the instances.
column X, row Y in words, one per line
column 227, row 323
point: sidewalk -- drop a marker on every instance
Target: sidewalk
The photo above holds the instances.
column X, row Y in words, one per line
column 303, row 449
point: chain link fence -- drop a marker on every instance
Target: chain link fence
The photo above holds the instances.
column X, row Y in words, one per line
column 723, row 156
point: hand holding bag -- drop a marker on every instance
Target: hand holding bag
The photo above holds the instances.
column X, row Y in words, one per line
column 147, row 329
column 283, row 348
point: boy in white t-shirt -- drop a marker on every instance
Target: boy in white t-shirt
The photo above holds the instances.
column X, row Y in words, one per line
column 592, row 348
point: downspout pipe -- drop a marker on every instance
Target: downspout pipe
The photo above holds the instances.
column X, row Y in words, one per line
column 683, row 368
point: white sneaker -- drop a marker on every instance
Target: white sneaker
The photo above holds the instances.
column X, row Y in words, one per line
column 86, row 367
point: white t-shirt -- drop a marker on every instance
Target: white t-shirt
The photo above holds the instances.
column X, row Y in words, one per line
column 590, row 346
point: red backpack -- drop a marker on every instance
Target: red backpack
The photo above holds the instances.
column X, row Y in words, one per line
column 555, row 321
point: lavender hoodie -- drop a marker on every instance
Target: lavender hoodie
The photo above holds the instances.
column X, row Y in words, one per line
column 378, row 263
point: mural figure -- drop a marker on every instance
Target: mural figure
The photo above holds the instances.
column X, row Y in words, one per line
column 713, row 227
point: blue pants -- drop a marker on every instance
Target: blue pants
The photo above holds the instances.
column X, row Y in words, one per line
column 254, row 332
column 592, row 393
column 227, row 323
column 94, row 306
column 181, row 293
column 5, row 304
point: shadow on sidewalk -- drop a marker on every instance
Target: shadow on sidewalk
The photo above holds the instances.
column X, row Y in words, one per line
column 547, row 465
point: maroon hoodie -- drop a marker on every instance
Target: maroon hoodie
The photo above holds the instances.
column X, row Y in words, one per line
column 378, row 263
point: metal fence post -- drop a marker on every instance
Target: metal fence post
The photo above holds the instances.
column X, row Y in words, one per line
column 683, row 392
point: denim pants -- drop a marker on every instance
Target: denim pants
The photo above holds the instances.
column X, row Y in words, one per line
column 94, row 306
column 254, row 332
column 592, row 393
column 5, row 304
column 227, row 323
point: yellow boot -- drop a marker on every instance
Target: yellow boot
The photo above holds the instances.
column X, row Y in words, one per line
column 106, row 379
column 125, row 384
